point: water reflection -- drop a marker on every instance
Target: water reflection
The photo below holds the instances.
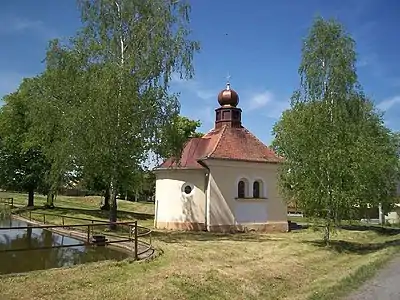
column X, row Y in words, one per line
column 29, row 260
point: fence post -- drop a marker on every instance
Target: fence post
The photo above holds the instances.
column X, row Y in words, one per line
column 63, row 222
column 44, row 218
column 30, row 216
column 150, row 237
column 88, row 234
column 136, row 241
column 12, row 202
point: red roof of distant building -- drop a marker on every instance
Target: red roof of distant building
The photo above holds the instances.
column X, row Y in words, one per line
column 223, row 143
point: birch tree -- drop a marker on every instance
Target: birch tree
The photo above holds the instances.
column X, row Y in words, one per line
column 338, row 153
column 131, row 48
column 53, row 99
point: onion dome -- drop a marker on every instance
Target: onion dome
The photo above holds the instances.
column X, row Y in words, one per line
column 228, row 97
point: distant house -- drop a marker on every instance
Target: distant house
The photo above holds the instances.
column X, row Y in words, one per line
column 393, row 217
column 292, row 207
column 223, row 181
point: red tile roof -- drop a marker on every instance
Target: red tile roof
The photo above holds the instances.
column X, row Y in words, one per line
column 223, row 143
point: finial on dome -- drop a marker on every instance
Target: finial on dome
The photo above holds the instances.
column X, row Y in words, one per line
column 228, row 97
column 228, row 84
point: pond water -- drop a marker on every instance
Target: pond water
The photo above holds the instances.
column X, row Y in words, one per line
column 37, row 259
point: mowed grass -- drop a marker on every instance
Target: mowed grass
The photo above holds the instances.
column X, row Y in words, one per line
column 291, row 265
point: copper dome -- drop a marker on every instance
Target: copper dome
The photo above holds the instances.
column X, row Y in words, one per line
column 228, row 97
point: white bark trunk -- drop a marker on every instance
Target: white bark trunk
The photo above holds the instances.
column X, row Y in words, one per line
column 381, row 215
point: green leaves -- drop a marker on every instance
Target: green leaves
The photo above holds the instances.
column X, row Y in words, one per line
column 338, row 154
column 103, row 102
column 328, row 62
column 22, row 163
column 174, row 135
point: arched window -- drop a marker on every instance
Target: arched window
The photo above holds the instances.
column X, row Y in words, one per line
column 256, row 189
column 241, row 192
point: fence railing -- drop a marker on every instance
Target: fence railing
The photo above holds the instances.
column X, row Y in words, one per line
column 128, row 231
column 9, row 201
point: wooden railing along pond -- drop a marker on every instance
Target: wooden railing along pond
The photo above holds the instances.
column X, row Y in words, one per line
column 89, row 230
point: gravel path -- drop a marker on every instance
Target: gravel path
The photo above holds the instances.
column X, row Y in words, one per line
column 384, row 286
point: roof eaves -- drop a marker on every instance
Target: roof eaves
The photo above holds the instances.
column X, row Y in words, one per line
column 244, row 160
column 174, row 168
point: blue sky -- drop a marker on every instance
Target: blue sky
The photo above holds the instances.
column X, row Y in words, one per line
column 257, row 42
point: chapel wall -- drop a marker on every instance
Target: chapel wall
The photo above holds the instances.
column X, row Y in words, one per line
column 224, row 179
column 175, row 209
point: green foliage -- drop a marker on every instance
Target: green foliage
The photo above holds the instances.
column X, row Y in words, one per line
column 111, row 84
column 61, row 89
column 174, row 135
column 23, row 165
column 338, row 154
column 97, row 110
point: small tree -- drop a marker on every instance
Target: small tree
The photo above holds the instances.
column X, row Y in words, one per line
column 173, row 136
column 338, row 154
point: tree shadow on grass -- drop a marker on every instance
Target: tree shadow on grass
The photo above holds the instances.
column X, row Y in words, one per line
column 378, row 229
column 95, row 213
column 101, row 214
column 293, row 226
column 387, row 231
column 182, row 236
column 341, row 246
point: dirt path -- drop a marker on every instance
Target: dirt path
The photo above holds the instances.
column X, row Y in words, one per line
column 384, row 286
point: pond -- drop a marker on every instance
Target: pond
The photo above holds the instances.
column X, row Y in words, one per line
column 38, row 259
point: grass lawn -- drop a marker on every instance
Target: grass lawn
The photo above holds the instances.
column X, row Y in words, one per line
column 212, row 266
column 87, row 207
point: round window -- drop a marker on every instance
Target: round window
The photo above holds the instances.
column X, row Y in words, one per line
column 188, row 189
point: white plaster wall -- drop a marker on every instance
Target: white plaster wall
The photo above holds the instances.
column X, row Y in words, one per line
column 224, row 205
column 172, row 205
column 251, row 211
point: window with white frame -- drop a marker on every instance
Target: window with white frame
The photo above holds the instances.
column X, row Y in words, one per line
column 242, row 188
column 258, row 189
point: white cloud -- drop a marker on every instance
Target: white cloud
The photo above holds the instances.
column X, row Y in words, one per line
column 194, row 87
column 260, row 100
column 15, row 24
column 388, row 103
column 206, row 115
column 268, row 102
column 265, row 100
